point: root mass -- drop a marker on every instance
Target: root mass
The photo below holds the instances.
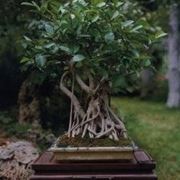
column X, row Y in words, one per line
column 95, row 119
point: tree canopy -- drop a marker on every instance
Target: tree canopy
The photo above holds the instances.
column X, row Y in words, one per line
column 106, row 38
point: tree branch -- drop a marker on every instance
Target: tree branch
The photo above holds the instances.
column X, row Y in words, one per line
column 83, row 86
column 73, row 98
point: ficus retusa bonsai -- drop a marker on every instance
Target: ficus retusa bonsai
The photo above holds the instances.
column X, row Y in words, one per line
column 91, row 46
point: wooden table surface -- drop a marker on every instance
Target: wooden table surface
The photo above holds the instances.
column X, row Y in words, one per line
column 141, row 167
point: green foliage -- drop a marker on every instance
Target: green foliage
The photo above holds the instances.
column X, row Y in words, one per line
column 105, row 38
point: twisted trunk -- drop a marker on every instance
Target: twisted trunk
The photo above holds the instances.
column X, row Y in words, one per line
column 95, row 120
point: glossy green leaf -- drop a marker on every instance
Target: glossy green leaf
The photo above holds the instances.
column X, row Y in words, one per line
column 160, row 35
column 147, row 63
column 109, row 37
column 49, row 28
column 127, row 23
column 78, row 58
column 40, row 60
column 50, row 45
column 27, row 38
column 95, row 18
column 135, row 29
column 36, row 5
column 65, row 49
column 101, row 4
column 27, row 4
column 115, row 15
column 119, row 4
column 24, row 60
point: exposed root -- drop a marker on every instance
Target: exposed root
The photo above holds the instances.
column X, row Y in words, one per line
column 97, row 120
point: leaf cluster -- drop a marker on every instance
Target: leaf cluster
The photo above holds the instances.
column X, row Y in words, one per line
column 107, row 38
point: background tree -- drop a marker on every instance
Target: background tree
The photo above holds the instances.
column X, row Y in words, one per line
column 11, row 30
column 174, row 58
column 170, row 9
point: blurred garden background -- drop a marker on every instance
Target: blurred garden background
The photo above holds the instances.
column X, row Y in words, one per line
column 32, row 107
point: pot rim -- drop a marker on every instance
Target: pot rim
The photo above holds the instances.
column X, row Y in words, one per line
column 91, row 149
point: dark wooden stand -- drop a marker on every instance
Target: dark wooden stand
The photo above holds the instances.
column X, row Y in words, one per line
column 140, row 168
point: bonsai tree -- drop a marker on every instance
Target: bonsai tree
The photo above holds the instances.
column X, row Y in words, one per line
column 91, row 46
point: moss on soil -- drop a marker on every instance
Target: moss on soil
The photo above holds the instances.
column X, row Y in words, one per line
column 88, row 142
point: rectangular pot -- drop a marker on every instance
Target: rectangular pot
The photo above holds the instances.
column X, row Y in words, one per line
column 92, row 153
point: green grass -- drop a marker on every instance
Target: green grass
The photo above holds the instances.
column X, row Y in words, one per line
column 156, row 129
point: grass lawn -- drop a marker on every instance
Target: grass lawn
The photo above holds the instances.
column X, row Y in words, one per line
column 157, row 130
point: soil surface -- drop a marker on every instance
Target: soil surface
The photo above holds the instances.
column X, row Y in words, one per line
column 77, row 141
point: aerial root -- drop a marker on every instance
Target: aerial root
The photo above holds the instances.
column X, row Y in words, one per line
column 98, row 120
